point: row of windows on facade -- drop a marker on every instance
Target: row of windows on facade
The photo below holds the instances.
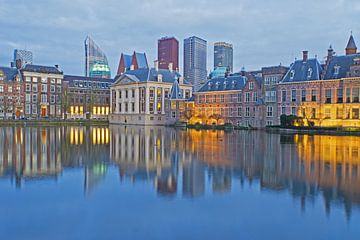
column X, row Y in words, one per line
column 97, row 99
column 310, row 71
column 102, row 92
column 34, row 109
column 249, row 97
column 331, row 113
column 96, row 110
column 152, row 93
column 130, row 107
column 43, row 97
column 352, row 95
column 91, row 84
column 10, row 89
column 271, row 80
column 235, row 112
column 44, row 88
column 43, row 80
column 9, row 100
column 233, row 84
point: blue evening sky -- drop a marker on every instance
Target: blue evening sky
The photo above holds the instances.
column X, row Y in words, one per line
column 263, row 32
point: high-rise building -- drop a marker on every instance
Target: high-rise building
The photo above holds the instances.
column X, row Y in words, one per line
column 223, row 55
column 96, row 63
column 195, row 61
column 22, row 57
column 168, row 53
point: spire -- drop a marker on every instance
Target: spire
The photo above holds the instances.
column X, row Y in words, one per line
column 175, row 90
column 351, row 46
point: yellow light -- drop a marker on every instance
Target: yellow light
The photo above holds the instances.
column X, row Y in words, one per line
column 93, row 136
column 81, row 110
column 94, row 110
column 103, row 110
column 99, row 110
column 71, row 110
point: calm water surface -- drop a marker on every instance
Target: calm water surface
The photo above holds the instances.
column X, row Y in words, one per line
column 160, row 183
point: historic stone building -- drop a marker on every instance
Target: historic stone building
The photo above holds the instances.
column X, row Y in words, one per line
column 234, row 99
column 139, row 96
column 43, row 91
column 11, row 94
column 324, row 95
column 86, row 97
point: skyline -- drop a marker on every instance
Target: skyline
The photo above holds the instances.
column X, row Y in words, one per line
column 65, row 28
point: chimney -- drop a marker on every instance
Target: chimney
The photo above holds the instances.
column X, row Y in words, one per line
column 57, row 66
column 170, row 66
column 305, row 56
column 156, row 65
column 181, row 80
column 132, row 67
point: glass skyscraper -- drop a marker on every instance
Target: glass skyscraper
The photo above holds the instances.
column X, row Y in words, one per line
column 223, row 55
column 96, row 63
column 22, row 57
column 195, row 61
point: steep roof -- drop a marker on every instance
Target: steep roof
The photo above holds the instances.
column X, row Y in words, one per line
column 234, row 82
column 8, row 73
column 351, row 43
column 141, row 60
column 41, row 69
column 301, row 71
column 176, row 93
column 339, row 66
column 151, row 74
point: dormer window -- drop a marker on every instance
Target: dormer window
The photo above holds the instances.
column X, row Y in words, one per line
column 225, row 82
column 233, row 84
column 336, row 70
column 217, row 85
column 292, row 74
column 309, row 74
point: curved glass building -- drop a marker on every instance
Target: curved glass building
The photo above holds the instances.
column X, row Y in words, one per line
column 96, row 63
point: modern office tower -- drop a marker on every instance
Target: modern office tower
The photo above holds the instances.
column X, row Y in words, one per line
column 22, row 57
column 168, row 53
column 96, row 63
column 223, row 55
column 195, row 61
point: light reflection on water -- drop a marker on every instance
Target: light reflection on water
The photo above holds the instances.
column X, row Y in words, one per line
column 188, row 163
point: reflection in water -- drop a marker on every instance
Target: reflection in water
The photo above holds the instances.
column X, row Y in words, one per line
column 190, row 163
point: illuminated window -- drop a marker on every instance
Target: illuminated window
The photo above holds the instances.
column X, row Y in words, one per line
column 76, row 110
column 81, row 110
column 327, row 113
column 103, row 110
column 159, row 107
column 94, row 110
column 71, row 110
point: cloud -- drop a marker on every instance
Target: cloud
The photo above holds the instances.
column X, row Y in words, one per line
column 263, row 32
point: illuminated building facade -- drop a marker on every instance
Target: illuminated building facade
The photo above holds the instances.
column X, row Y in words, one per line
column 234, row 99
column 86, row 97
column 96, row 63
column 11, row 93
column 43, row 91
column 132, row 62
column 138, row 96
column 325, row 95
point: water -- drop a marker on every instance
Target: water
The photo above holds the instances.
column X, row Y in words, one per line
column 160, row 183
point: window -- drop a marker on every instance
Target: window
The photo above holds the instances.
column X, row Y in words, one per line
column 283, row 95
column 151, row 107
column 35, row 88
column 247, row 112
column 327, row 113
column 293, row 110
column 336, row 70
column 355, row 95
column 52, row 88
column 269, row 111
column 239, row 112
column 313, row 95
column 327, row 95
column 59, row 89
column 293, row 95
column 283, row 110
column 151, row 93
column 27, row 97
column 173, row 114
column 222, row 98
column 52, row 99
column 267, row 80
column 43, row 88
column 126, row 93
column 309, row 74
column 239, row 97
column 133, row 93
column 303, row 95
column 126, row 107
column 34, row 109
column 1, row 88
column 340, row 95
column 247, row 97
column 251, row 85
column 269, row 123
column 132, row 107
column 43, row 98
column 34, row 98
column 27, row 109
column 166, row 93
column 10, row 89
column 255, row 97
column 34, row 79
column 270, row 96
column 292, row 74
column 339, row 113
column 27, row 79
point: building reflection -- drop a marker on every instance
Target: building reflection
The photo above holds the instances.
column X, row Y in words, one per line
column 189, row 163
column 34, row 153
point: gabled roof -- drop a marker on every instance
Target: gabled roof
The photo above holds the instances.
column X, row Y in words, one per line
column 41, row 69
column 176, row 93
column 301, row 71
column 8, row 73
column 343, row 63
column 150, row 74
column 234, row 82
column 141, row 60
column 351, row 43
column 127, row 60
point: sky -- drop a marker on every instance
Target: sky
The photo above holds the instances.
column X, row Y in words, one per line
column 263, row 32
